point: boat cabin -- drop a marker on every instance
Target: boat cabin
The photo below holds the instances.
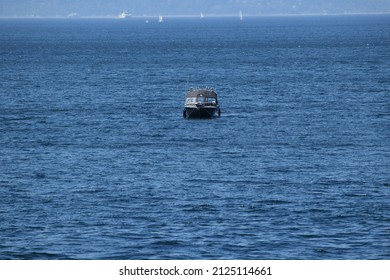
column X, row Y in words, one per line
column 201, row 97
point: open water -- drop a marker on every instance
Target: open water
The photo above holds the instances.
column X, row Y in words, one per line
column 96, row 161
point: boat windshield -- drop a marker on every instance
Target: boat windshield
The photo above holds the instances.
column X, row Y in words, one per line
column 211, row 100
column 200, row 99
column 191, row 100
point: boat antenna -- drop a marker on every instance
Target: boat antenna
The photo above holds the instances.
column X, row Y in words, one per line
column 188, row 83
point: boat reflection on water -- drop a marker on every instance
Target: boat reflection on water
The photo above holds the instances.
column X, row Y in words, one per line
column 201, row 103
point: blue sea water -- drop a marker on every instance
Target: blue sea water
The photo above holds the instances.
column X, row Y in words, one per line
column 97, row 162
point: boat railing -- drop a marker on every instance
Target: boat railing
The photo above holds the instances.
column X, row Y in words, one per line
column 201, row 88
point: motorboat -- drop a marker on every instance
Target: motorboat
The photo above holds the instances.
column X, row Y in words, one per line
column 201, row 103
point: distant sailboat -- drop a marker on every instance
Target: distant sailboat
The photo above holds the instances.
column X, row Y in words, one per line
column 124, row 14
column 160, row 19
column 201, row 15
column 241, row 15
column 72, row 15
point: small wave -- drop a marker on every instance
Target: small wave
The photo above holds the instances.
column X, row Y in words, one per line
column 167, row 243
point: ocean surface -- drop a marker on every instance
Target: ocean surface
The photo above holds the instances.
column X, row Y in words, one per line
column 97, row 162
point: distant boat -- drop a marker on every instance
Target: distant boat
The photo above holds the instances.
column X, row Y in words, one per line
column 160, row 19
column 241, row 15
column 201, row 15
column 201, row 103
column 72, row 15
column 124, row 14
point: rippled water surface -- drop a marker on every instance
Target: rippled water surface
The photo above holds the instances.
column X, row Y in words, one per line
column 96, row 161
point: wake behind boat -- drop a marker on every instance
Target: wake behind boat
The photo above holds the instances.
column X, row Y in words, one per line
column 201, row 103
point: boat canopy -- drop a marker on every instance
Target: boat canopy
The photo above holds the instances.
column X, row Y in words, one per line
column 207, row 93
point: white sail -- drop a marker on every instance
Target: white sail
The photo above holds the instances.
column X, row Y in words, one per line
column 124, row 14
column 241, row 15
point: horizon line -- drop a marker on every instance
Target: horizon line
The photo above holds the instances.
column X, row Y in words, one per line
column 76, row 16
